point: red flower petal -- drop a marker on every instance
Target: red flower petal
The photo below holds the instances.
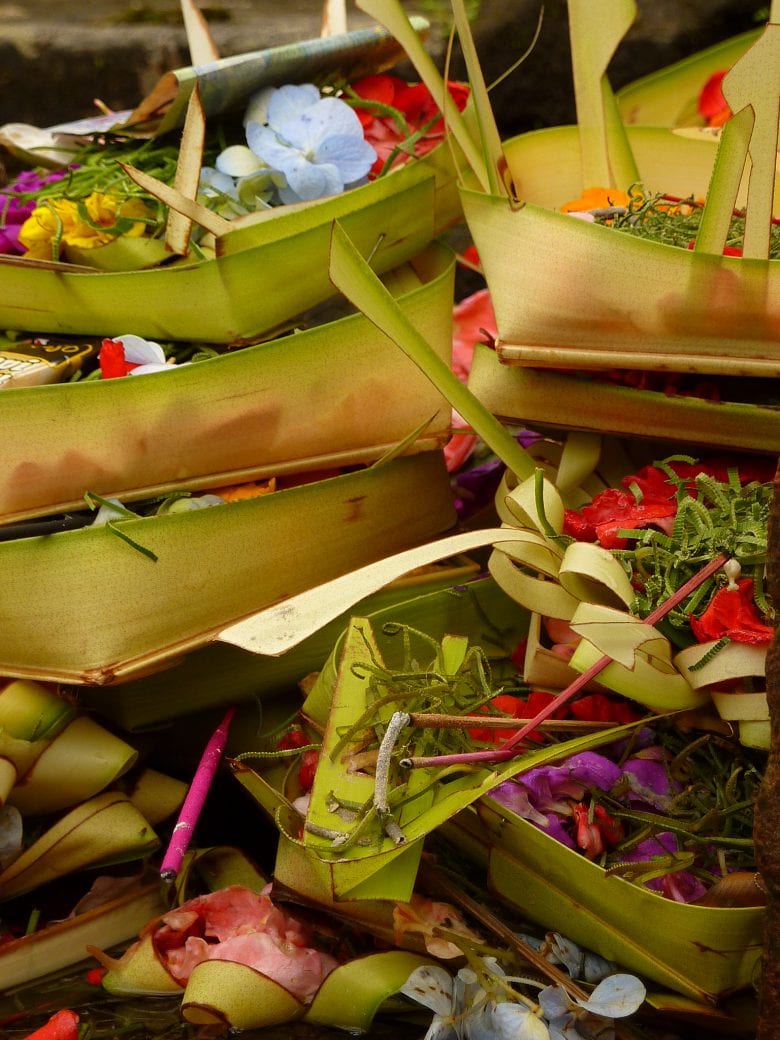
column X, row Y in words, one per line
column 112, row 359
column 733, row 613
column 712, row 104
column 63, row 1025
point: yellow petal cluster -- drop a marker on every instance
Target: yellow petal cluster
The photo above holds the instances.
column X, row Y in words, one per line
column 86, row 224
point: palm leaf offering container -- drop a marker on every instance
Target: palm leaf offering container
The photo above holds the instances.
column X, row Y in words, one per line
column 167, row 584
column 596, row 305
column 642, row 304
column 262, row 392
column 518, row 788
column 315, row 399
column 702, row 952
column 247, row 276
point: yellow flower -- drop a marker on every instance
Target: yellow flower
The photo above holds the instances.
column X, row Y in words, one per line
column 94, row 222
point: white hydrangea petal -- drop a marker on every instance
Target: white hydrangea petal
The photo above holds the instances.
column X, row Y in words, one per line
column 211, row 178
column 616, row 996
column 239, row 161
column 596, row 968
column 140, row 351
column 257, row 108
column 430, row 986
column 286, row 103
column 553, row 1002
column 340, row 118
column 505, row 1021
column 353, row 156
column 567, row 953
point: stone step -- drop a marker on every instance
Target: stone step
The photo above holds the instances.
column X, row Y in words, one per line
column 57, row 56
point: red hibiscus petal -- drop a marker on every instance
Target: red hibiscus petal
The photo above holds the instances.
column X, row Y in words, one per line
column 112, row 359
column 711, row 102
column 732, row 613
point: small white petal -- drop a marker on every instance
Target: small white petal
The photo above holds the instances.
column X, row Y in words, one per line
column 257, row 109
column 140, row 351
column 554, row 1002
column 213, row 182
column 144, row 370
column 430, row 986
column 238, row 161
column 111, row 509
column 615, row 997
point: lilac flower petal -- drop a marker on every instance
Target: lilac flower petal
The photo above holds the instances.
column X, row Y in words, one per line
column 353, row 156
column 556, row 830
column 313, row 182
column 650, row 774
column 650, row 784
column 515, row 797
column 286, row 103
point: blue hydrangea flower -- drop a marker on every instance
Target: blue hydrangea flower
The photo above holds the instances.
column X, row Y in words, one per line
column 316, row 142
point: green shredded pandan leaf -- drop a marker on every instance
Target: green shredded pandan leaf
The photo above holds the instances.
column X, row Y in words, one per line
column 677, row 222
column 93, row 501
column 721, row 517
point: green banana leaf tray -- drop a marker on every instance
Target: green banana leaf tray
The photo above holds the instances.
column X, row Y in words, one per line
column 310, row 400
column 563, row 400
column 595, row 298
column 270, row 267
column 103, row 603
column 702, row 952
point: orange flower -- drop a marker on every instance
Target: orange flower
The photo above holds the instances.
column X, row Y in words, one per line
column 596, row 198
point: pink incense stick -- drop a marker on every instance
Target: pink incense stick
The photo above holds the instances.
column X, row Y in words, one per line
column 508, row 749
column 196, row 796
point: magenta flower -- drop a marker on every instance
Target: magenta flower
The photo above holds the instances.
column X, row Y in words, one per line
column 17, row 201
column 681, row 885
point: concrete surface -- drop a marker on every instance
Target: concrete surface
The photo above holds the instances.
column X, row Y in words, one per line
column 56, row 56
